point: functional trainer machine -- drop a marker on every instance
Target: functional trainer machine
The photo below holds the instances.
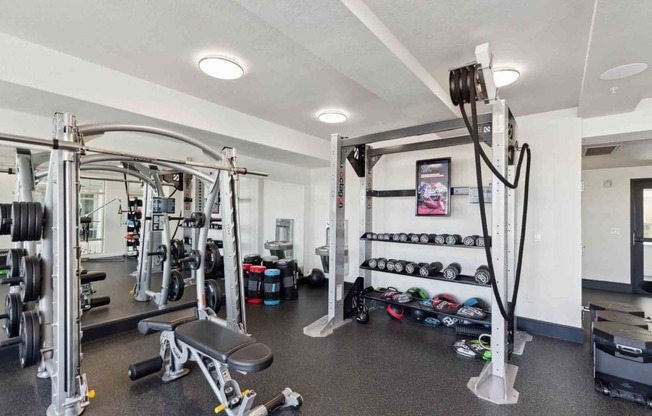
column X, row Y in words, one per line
column 53, row 331
column 498, row 131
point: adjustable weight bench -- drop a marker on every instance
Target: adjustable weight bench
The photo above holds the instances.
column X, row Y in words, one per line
column 215, row 348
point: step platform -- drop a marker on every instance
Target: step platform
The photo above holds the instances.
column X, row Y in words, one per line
column 623, row 361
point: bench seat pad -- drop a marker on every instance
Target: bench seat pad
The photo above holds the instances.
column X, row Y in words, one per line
column 240, row 352
column 167, row 321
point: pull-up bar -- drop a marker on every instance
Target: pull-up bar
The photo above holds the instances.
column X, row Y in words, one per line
column 74, row 147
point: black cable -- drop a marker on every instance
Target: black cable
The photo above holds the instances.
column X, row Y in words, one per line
column 463, row 90
column 173, row 192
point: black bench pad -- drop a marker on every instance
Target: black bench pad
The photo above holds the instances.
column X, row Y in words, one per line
column 167, row 321
column 239, row 351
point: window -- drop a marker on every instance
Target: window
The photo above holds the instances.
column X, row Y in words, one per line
column 647, row 213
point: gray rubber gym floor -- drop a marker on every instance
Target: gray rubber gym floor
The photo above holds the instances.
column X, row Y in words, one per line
column 384, row 368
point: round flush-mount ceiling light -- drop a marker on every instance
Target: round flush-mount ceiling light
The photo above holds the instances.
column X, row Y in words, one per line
column 623, row 71
column 332, row 117
column 505, row 76
column 221, row 67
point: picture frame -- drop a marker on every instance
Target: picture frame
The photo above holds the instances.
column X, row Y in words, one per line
column 433, row 187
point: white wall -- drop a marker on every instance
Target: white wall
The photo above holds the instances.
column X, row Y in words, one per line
column 607, row 256
column 551, row 287
column 551, row 277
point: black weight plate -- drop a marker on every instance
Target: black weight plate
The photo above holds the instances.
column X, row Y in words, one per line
column 24, row 217
column 213, row 295
column 211, row 258
column 13, row 260
column 27, row 284
column 13, row 308
column 176, row 286
column 39, row 220
column 36, row 273
column 31, row 222
column 15, row 221
column 26, row 347
column 36, row 327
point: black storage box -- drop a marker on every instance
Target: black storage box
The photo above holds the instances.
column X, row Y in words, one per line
column 623, row 361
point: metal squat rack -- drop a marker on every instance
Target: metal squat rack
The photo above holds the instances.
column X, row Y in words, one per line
column 498, row 130
column 59, row 310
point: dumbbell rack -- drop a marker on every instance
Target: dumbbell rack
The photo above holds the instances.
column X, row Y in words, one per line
column 497, row 130
column 363, row 238
column 461, row 278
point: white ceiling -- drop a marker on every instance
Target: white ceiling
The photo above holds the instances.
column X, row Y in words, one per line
column 304, row 56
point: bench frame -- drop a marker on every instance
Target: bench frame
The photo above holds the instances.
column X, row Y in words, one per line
column 175, row 354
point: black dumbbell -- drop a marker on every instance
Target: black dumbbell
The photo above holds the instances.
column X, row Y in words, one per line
column 396, row 237
column 441, row 238
column 453, row 239
column 412, row 267
column 374, row 236
column 482, row 275
column 373, row 263
column 390, row 265
column 452, row 271
column 368, row 236
column 414, row 238
column 470, row 240
column 381, row 263
column 403, row 237
column 399, row 266
column 424, row 238
column 430, row 269
column 386, row 237
column 480, row 242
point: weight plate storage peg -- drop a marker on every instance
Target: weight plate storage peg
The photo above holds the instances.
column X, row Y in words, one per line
column 30, row 336
column 482, row 275
column 176, row 286
column 13, row 310
column 452, row 271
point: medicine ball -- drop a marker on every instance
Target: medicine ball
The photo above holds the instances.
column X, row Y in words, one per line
column 395, row 311
column 418, row 315
column 316, row 278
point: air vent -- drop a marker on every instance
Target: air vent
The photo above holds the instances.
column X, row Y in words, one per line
column 600, row 151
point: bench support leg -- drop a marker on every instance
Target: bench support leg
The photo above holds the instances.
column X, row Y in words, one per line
column 177, row 357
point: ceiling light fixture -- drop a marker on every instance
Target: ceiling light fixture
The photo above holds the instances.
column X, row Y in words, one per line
column 221, row 67
column 623, row 71
column 332, row 117
column 505, row 76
